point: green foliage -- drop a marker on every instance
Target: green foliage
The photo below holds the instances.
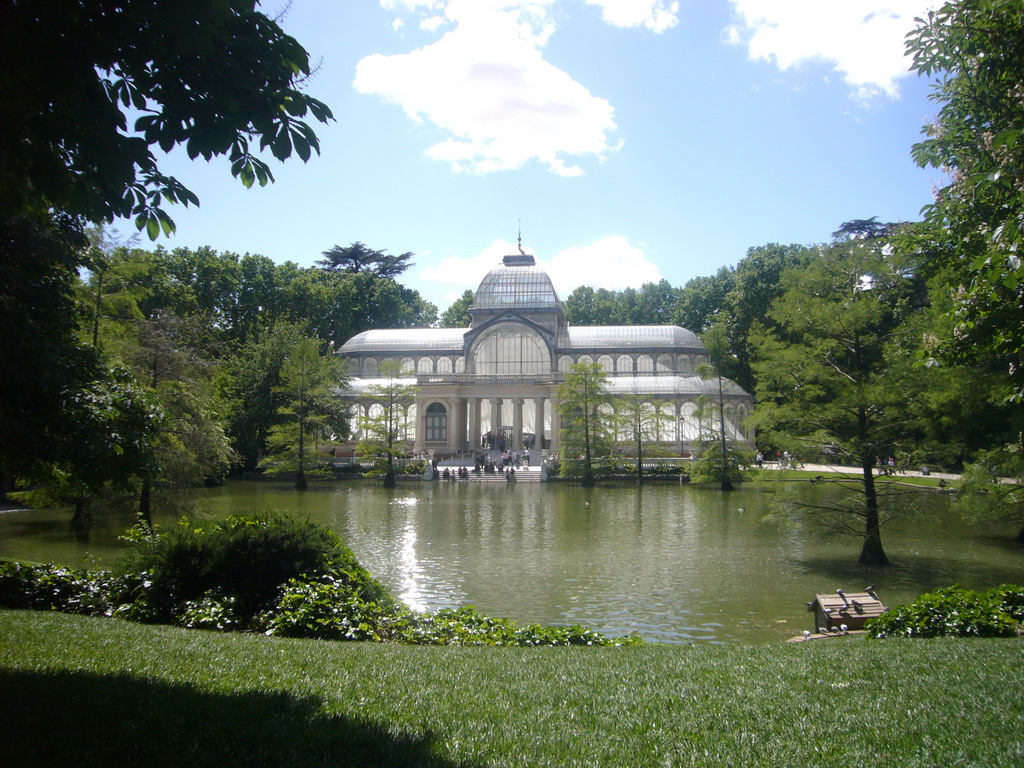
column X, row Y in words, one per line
column 333, row 607
column 834, row 369
column 973, row 231
column 214, row 611
column 360, row 258
column 457, row 315
column 384, row 428
column 992, row 488
column 711, row 467
column 214, row 77
column 467, row 626
column 585, row 426
column 247, row 558
column 312, row 408
column 955, row 612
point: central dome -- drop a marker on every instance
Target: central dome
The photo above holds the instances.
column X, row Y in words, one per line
column 517, row 283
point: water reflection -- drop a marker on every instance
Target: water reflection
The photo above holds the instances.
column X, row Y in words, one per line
column 674, row 563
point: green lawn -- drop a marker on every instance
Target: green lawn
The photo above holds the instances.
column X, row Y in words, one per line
column 95, row 692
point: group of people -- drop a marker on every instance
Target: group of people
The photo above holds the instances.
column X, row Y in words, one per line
column 457, row 473
column 509, row 460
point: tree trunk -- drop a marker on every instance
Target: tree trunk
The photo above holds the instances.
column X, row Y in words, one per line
column 81, row 519
column 640, row 456
column 145, row 502
column 300, row 476
column 726, row 482
column 588, row 468
column 871, row 552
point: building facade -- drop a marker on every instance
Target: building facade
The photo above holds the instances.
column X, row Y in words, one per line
column 494, row 384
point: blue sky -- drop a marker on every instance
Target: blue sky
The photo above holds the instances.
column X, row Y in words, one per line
column 633, row 139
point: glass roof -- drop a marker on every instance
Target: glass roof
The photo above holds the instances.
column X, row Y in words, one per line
column 626, row 336
column 370, row 386
column 670, row 385
column 516, row 285
column 406, row 339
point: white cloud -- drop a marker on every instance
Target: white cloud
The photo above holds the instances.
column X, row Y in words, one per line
column 432, row 23
column 862, row 39
column 466, row 272
column 655, row 15
column 610, row 262
column 486, row 84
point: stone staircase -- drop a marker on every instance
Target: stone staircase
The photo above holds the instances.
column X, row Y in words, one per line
column 531, row 475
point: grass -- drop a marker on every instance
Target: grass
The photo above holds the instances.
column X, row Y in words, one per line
column 854, row 475
column 95, row 692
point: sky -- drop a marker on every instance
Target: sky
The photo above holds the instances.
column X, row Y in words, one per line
column 628, row 141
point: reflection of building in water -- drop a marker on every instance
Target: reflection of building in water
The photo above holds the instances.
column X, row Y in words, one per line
column 494, row 384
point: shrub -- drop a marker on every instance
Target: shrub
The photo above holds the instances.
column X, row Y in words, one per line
column 954, row 612
column 270, row 573
column 247, row 558
column 331, row 608
column 56, row 588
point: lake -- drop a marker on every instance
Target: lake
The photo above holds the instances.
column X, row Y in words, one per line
column 672, row 563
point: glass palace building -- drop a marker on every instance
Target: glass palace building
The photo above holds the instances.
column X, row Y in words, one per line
column 494, row 384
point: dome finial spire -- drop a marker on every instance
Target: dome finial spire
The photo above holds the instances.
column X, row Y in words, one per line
column 520, row 240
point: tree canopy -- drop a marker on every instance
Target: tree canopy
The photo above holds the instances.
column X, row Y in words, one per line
column 93, row 88
column 975, row 228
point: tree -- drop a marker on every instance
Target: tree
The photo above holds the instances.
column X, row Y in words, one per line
column 383, row 426
column 248, row 383
column 828, row 375
column 755, row 285
column 584, row 426
column 190, row 445
column 719, row 459
column 216, row 77
column 992, row 488
column 975, row 227
column 44, row 360
column 310, row 384
column 457, row 315
column 360, row 258
column 641, row 423
column 108, row 445
column 702, row 298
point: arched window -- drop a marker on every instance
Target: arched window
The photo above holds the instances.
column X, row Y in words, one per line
column 644, row 364
column 510, row 349
column 665, row 364
column 624, row 364
column 606, row 363
column 689, row 422
column 436, row 423
column 585, row 359
column 370, row 366
column 409, row 425
column 460, row 364
column 408, row 365
column 564, row 362
column 425, row 365
column 444, row 365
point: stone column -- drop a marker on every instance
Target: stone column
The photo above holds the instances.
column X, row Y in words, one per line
column 474, row 423
column 517, row 424
column 460, row 423
column 420, row 427
column 452, row 443
column 538, row 419
column 495, row 418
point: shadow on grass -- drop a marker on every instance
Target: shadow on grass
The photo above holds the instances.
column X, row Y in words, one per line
column 88, row 720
